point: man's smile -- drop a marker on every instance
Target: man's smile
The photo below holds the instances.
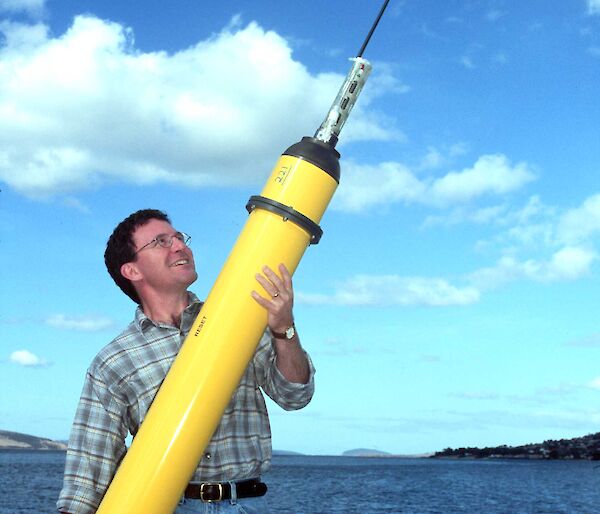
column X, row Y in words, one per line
column 180, row 262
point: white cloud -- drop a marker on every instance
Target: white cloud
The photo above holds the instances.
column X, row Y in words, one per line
column 491, row 174
column 26, row 358
column 364, row 186
column 436, row 158
column 531, row 224
column 580, row 224
column 87, row 107
column 568, row 263
column 505, row 270
column 378, row 290
column 80, row 323
column 538, row 244
column 593, row 6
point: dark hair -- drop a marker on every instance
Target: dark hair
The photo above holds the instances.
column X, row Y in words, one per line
column 120, row 247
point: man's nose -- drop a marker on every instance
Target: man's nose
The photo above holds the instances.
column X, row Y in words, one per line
column 177, row 244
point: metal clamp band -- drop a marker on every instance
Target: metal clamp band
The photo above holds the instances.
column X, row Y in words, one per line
column 288, row 214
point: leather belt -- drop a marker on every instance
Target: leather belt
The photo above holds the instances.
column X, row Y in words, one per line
column 216, row 492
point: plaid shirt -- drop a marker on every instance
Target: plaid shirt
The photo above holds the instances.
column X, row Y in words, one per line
column 119, row 387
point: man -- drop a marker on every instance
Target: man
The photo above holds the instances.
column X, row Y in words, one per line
column 151, row 262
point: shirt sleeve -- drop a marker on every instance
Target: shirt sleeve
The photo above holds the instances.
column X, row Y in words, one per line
column 288, row 395
column 96, row 447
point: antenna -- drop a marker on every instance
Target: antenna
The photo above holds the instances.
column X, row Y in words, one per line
column 329, row 130
column 368, row 38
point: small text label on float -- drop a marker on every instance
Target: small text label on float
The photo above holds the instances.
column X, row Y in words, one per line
column 282, row 175
column 200, row 326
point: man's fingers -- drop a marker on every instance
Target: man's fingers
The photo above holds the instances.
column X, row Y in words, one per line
column 286, row 276
column 260, row 299
column 268, row 286
column 273, row 277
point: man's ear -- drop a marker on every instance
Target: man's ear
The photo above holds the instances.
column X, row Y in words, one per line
column 130, row 271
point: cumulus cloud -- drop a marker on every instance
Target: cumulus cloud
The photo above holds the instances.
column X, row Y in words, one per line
column 436, row 158
column 87, row 107
column 565, row 264
column 364, row 186
column 568, row 263
column 538, row 243
column 491, row 174
column 27, row 359
column 531, row 224
column 79, row 323
column 385, row 290
column 564, row 240
column 581, row 223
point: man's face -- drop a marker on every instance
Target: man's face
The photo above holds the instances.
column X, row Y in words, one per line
column 163, row 269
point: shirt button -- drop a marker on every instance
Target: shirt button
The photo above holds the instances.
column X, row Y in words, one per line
column 207, row 456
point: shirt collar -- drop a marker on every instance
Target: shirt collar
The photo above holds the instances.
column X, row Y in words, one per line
column 142, row 321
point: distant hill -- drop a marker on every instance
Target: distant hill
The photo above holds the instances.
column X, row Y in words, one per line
column 366, row 452
column 17, row 441
column 586, row 447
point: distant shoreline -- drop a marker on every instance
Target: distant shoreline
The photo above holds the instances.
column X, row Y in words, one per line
column 579, row 448
column 37, row 450
column 18, row 441
column 366, row 457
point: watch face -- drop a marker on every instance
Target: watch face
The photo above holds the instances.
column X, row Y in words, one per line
column 290, row 332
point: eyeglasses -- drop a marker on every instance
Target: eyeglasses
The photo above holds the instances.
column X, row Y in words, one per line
column 166, row 241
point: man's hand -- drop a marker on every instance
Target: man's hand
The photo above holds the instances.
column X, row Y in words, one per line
column 279, row 307
column 291, row 359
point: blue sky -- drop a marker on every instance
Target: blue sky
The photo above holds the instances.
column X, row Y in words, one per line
column 453, row 298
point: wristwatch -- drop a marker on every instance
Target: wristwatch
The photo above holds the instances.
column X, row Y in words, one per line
column 288, row 334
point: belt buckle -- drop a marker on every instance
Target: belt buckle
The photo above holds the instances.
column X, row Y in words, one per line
column 211, row 500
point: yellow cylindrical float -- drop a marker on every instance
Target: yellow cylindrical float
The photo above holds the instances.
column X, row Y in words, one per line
column 282, row 222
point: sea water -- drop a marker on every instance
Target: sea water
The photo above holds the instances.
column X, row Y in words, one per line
column 30, row 483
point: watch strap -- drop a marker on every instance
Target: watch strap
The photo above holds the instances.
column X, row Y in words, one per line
column 284, row 335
